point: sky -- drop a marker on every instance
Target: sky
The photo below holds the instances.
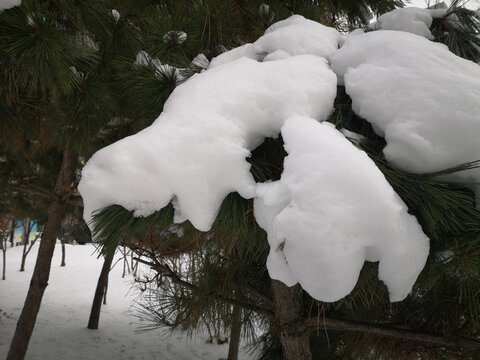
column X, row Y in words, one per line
column 472, row 4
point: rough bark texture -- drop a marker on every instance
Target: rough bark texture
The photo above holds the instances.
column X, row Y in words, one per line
column 294, row 335
column 235, row 333
column 101, row 284
column 41, row 273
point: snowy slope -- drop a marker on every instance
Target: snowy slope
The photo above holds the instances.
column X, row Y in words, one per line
column 61, row 333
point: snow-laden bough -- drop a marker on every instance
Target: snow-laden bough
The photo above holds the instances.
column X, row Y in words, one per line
column 195, row 154
column 331, row 210
column 423, row 99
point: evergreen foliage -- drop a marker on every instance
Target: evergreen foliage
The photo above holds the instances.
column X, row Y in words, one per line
column 69, row 81
column 458, row 28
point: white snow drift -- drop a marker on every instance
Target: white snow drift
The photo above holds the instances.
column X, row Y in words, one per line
column 332, row 209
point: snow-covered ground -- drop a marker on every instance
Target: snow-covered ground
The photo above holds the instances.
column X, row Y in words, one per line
column 60, row 331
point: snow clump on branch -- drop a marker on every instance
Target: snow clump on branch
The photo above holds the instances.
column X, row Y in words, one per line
column 412, row 91
column 331, row 210
column 423, row 99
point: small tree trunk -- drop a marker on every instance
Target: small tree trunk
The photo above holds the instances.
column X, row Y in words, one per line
column 12, row 233
column 235, row 333
column 124, row 253
column 4, row 252
column 25, row 237
column 294, row 335
column 97, row 299
column 24, row 257
column 39, row 282
column 63, row 252
column 105, row 293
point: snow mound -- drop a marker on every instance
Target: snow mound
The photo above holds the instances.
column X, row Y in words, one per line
column 418, row 95
column 293, row 36
column 195, row 153
column 322, row 217
column 413, row 20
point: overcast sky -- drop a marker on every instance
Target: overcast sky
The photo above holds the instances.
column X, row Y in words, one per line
column 472, row 4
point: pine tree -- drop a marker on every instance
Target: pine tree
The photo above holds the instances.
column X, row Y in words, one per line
column 445, row 211
column 61, row 112
column 57, row 98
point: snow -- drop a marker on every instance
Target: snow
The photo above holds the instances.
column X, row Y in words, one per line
column 468, row 4
column 115, row 15
column 201, row 61
column 175, row 36
column 293, row 36
column 418, row 95
column 412, row 20
column 206, row 118
column 318, row 210
column 60, row 331
column 320, row 220
column 264, row 10
column 144, row 59
column 7, row 4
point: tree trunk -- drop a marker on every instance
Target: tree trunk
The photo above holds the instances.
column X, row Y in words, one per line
column 63, row 252
column 105, row 293
column 25, row 238
column 24, row 257
column 39, row 281
column 12, row 233
column 97, row 299
column 235, row 333
column 4, row 252
column 294, row 335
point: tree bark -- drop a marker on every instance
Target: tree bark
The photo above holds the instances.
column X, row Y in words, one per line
column 97, row 299
column 105, row 293
column 294, row 335
column 63, row 253
column 39, row 282
column 24, row 257
column 4, row 267
column 12, row 233
column 235, row 333
column 25, row 238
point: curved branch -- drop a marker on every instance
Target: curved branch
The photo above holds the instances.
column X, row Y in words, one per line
column 384, row 330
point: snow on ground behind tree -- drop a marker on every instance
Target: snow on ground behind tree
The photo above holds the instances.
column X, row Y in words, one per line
column 61, row 329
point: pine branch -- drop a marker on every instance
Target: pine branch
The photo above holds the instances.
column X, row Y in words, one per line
column 165, row 270
column 451, row 341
